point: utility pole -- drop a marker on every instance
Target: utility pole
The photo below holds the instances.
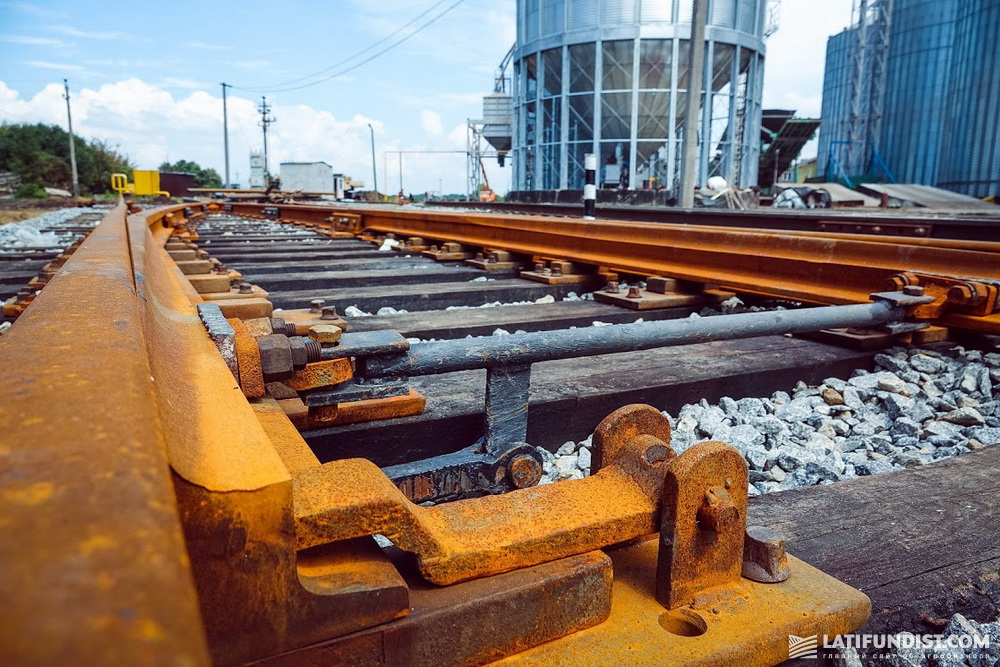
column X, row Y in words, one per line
column 265, row 120
column 374, row 174
column 693, row 118
column 225, row 131
column 72, row 142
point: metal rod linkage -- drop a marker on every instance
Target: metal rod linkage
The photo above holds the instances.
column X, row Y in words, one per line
column 528, row 348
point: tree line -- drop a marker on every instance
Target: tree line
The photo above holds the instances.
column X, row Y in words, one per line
column 38, row 154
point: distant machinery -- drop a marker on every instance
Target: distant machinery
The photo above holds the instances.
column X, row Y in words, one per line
column 495, row 127
column 610, row 77
column 257, row 174
column 910, row 95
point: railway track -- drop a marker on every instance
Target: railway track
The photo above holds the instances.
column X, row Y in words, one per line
column 928, row 224
column 221, row 478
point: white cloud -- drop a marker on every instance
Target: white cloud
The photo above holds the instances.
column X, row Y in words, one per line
column 32, row 41
column 47, row 65
column 150, row 125
column 796, row 54
column 99, row 35
column 208, row 47
column 430, row 121
column 29, row 8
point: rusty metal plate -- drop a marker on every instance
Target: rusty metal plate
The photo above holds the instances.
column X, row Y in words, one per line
column 478, row 621
column 749, row 630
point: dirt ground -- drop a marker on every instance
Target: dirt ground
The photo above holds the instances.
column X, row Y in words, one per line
column 15, row 210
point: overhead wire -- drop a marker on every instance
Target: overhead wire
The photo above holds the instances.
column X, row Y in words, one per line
column 287, row 87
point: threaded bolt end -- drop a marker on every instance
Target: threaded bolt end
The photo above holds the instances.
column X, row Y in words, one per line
column 314, row 351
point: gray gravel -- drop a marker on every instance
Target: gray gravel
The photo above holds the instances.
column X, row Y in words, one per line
column 918, row 407
column 958, row 630
column 26, row 233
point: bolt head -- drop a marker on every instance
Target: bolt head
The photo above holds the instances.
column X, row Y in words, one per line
column 329, row 313
column 913, row 290
column 524, row 471
column 325, row 333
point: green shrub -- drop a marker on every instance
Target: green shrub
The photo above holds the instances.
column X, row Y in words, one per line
column 31, row 191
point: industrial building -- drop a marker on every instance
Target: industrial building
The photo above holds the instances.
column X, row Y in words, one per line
column 306, row 176
column 610, row 77
column 910, row 95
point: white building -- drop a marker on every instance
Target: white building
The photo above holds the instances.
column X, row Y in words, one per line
column 306, row 177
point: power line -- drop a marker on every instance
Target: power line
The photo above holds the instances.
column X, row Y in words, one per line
column 285, row 88
column 356, row 55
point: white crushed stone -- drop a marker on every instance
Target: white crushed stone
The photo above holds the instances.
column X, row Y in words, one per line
column 28, row 234
column 918, row 407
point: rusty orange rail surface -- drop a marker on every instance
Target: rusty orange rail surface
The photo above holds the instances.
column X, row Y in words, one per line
column 811, row 267
column 94, row 565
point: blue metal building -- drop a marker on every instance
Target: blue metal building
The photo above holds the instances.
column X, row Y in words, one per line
column 610, row 77
column 929, row 115
column 970, row 156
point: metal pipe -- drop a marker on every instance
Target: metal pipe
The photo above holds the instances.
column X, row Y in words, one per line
column 528, row 348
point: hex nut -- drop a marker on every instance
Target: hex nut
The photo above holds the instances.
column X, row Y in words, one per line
column 325, row 333
column 275, row 357
column 300, row 353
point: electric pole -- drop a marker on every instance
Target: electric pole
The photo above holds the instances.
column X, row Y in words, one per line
column 225, row 132
column 693, row 115
column 72, row 143
column 265, row 120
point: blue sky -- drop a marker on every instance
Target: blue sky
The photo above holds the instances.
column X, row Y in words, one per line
column 145, row 76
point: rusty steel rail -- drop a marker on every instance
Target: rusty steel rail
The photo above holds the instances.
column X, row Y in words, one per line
column 93, row 559
column 973, row 226
column 816, row 268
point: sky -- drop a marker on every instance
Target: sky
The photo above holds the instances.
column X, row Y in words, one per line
column 146, row 78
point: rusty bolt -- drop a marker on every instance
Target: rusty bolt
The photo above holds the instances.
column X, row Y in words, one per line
column 494, row 258
column 280, row 326
column 325, row 333
column 316, row 305
column 764, row 557
column 964, row 294
column 913, row 290
column 557, row 270
column 201, row 254
column 304, row 351
column 434, row 248
column 524, row 471
column 246, row 288
column 717, row 512
column 479, row 256
column 329, row 313
column 539, row 267
column 633, row 293
column 275, row 357
column 220, row 269
column 612, row 287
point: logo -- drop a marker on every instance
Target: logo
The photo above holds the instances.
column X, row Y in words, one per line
column 802, row 647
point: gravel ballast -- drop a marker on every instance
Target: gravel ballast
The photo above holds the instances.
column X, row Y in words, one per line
column 919, row 406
